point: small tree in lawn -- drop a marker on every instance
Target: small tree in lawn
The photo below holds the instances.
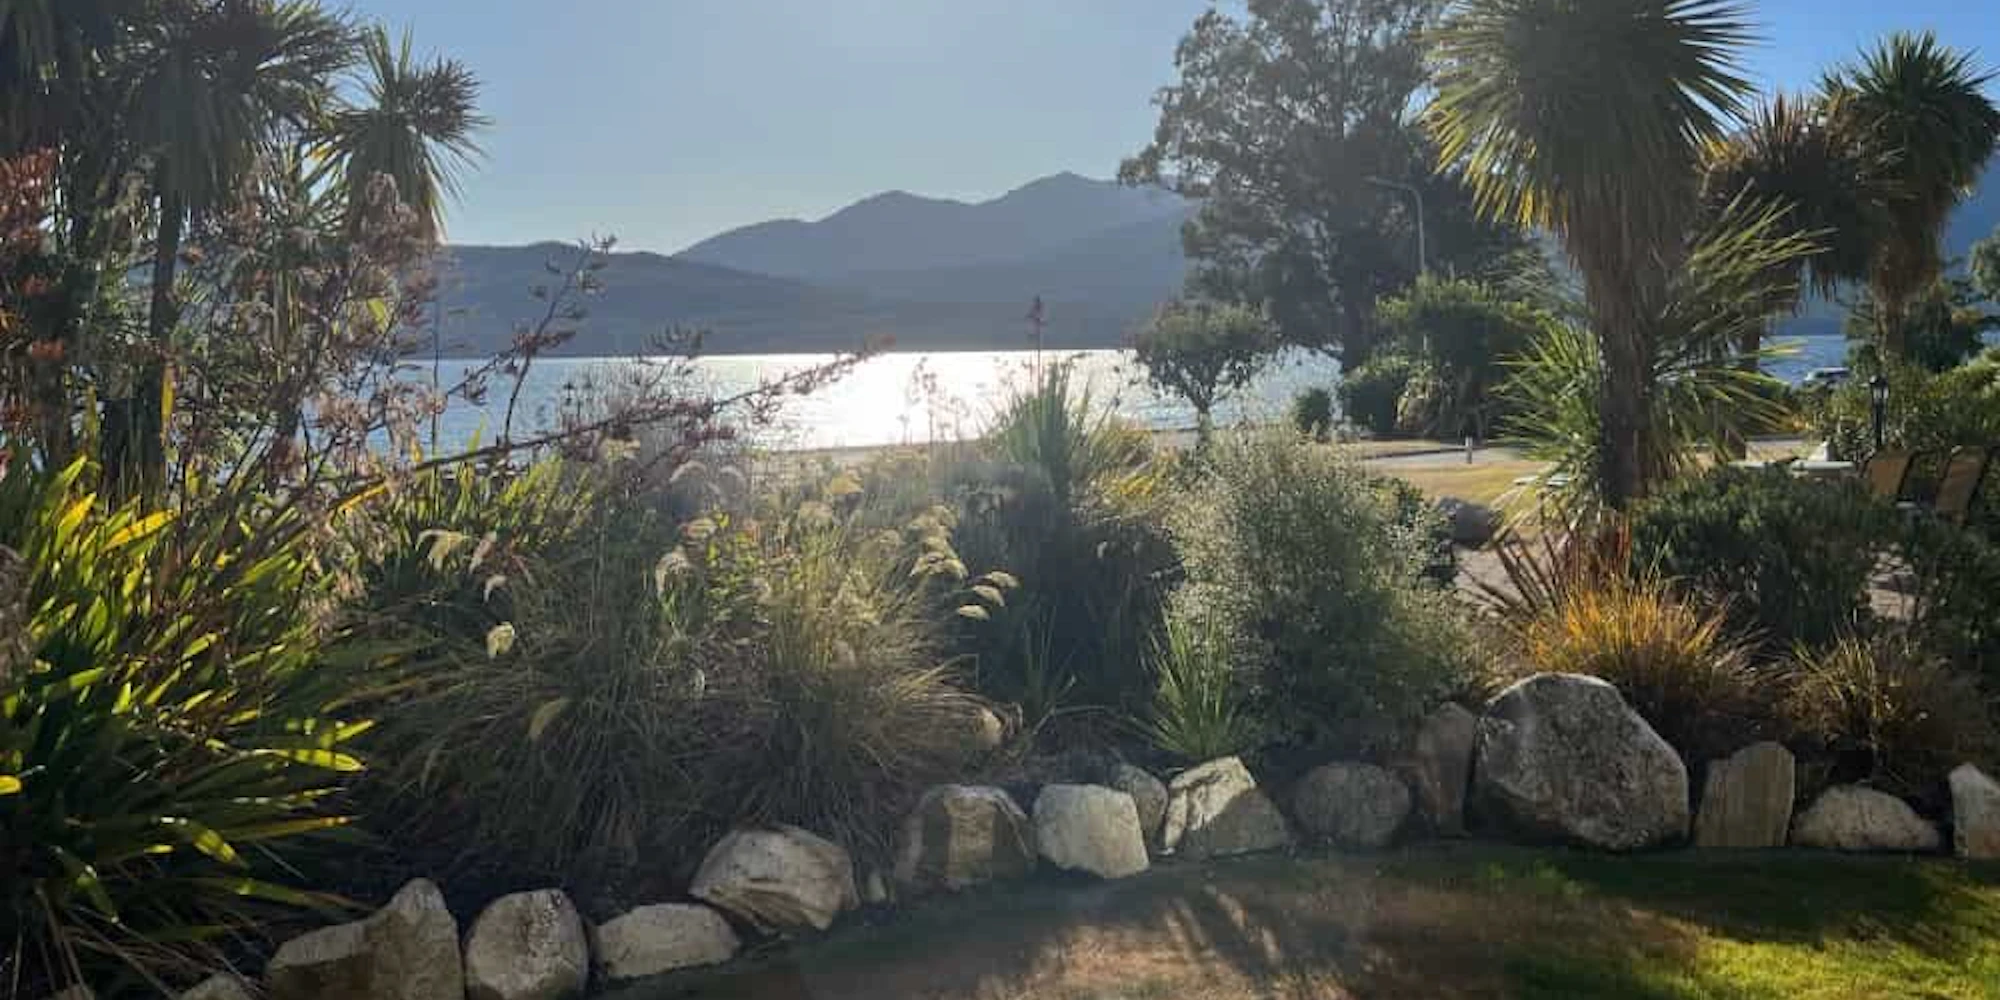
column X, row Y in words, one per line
column 1203, row 351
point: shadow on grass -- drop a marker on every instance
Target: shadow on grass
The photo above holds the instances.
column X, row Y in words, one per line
column 1940, row 909
column 1436, row 922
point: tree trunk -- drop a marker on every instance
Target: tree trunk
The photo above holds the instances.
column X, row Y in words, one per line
column 1357, row 327
column 137, row 458
column 1624, row 337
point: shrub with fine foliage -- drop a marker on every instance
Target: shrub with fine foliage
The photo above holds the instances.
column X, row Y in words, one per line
column 1307, row 560
column 1789, row 559
column 1371, row 395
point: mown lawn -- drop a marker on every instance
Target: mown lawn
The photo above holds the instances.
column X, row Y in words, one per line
column 1434, row 922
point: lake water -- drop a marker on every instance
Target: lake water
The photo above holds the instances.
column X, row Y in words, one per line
column 918, row 397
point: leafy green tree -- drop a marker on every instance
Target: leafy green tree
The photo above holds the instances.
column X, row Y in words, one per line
column 1285, row 123
column 1938, row 331
column 217, row 85
column 1467, row 331
column 1985, row 266
column 1591, row 119
column 417, row 126
column 1921, row 107
column 1203, row 351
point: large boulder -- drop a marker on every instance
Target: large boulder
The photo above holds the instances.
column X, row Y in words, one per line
column 407, row 951
column 1354, row 805
column 1472, row 524
column 960, row 836
column 1149, row 796
column 527, row 946
column 1090, row 828
column 1853, row 818
column 653, row 940
column 1975, row 813
column 1562, row 757
column 1440, row 767
column 221, row 986
column 1217, row 810
column 1746, row 800
column 778, row 878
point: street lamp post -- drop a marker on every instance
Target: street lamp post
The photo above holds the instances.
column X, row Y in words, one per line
column 1423, row 258
column 1878, row 402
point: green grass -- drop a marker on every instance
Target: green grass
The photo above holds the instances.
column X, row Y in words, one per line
column 1443, row 921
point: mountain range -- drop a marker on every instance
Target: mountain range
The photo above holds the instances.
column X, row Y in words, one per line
column 925, row 273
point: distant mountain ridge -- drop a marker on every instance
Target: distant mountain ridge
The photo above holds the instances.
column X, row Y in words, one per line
column 929, row 273
column 899, row 231
column 926, row 273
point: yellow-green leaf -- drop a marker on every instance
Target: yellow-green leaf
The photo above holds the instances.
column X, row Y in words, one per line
column 138, row 529
column 544, row 716
column 327, row 759
column 974, row 612
column 500, row 640
column 205, row 840
column 9, row 785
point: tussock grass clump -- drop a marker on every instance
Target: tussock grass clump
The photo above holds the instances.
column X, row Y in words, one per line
column 1676, row 663
column 643, row 686
column 1886, row 711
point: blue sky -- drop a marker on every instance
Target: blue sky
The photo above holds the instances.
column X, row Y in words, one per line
column 665, row 121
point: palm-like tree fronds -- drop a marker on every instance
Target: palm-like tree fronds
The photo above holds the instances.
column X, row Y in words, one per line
column 1923, row 105
column 48, row 50
column 1789, row 156
column 1558, row 108
column 417, row 126
column 1705, row 393
column 223, row 82
column 1591, row 118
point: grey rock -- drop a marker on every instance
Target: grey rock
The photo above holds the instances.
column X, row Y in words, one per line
column 653, row 940
column 221, row 986
column 778, row 878
column 527, row 946
column 1746, row 801
column 407, row 951
column 1440, row 767
column 1090, row 828
column 875, row 889
column 1217, row 810
column 1472, row 524
column 1975, row 813
column 1853, row 818
column 1562, row 757
column 1149, row 796
column 963, row 835
column 1353, row 805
